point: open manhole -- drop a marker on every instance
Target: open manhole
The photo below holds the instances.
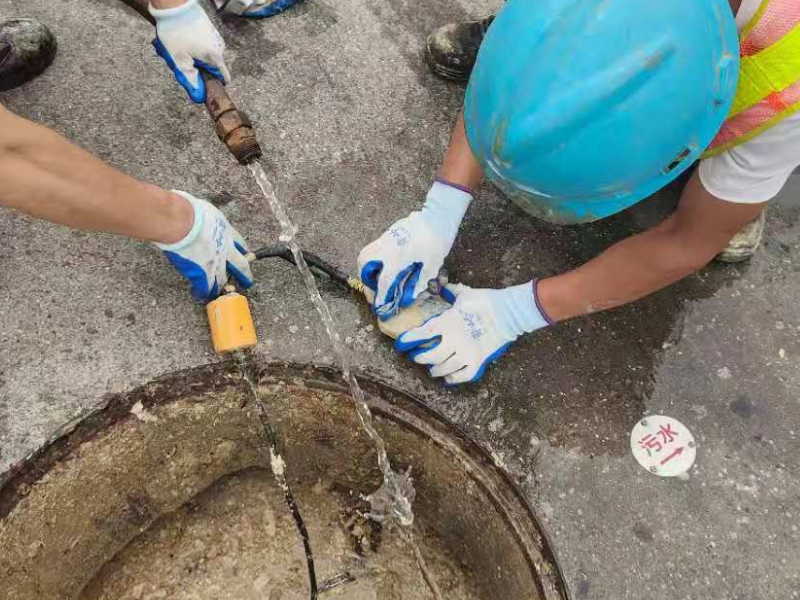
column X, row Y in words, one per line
column 174, row 501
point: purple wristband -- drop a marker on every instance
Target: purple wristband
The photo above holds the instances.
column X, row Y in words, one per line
column 539, row 304
column 463, row 188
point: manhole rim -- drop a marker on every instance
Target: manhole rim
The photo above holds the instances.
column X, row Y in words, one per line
column 386, row 400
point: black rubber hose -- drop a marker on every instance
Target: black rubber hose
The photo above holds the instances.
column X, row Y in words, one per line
column 315, row 263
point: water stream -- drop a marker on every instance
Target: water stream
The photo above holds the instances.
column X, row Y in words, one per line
column 393, row 500
column 395, row 497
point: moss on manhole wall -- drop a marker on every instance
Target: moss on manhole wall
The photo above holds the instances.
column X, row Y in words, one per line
column 165, row 488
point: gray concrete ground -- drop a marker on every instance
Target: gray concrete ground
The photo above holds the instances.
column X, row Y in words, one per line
column 354, row 126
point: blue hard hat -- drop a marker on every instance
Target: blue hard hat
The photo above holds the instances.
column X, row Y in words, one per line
column 578, row 109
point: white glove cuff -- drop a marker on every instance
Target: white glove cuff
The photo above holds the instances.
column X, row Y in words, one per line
column 524, row 314
column 446, row 205
column 160, row 14
column 190, row 237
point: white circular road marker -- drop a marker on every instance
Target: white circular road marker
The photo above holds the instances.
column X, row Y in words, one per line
column 663, row 445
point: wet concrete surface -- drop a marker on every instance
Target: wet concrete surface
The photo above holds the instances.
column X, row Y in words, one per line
column 354, row 126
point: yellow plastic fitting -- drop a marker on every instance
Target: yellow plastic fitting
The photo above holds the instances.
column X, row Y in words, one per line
column 231, row 323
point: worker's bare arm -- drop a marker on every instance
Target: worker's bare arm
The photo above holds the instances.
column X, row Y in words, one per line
column 47, row 177
column 640, row 265
column 460, row 165
column 645, row 263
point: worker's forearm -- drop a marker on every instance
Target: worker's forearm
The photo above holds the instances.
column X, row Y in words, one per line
column 629, row 270
column 640, row 265
column 460, row 166
column 47, row 177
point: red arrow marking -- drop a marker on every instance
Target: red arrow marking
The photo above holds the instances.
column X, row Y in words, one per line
column 677, row 452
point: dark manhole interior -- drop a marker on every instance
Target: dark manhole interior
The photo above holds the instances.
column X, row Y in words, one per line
column 165, row 493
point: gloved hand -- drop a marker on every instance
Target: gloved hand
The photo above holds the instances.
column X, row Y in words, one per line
column 461, row 342
column 188, row 41
column 210, row 252
column 398, row 265
column 255, row 9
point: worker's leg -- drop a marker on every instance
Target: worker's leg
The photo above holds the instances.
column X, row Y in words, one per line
column 753, row 172
column 27, row 48
column 452, row 49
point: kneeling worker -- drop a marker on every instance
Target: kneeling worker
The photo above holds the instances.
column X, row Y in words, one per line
column 577, row 111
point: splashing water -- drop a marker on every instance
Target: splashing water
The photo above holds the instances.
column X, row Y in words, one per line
column 394, row 499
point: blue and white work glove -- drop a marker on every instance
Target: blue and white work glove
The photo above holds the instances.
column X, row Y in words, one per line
column 255, row 9
column 210, row 252
column 188, row 42
column 462, row 341
column 398, row 265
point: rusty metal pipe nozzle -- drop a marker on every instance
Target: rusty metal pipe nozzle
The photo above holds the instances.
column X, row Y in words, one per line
column 233, row 127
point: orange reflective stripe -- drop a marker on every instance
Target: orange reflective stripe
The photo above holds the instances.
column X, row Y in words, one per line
column 776, row 20
column 757, row 119
column 775, row 102
column 769, row 76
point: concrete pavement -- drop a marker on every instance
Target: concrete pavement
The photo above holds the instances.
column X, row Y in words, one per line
column 354, row 126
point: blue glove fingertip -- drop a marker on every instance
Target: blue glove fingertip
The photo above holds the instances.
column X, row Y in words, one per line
column 161, row 50
column 407, row 297
column 403, row 347
column 397, row 292
column 434, row 341
column 194, row 273
column 448, row 295
column 210, row 69
column 392, row 292
column 196, row 93
column 243, row 280
column 424, row 347
column 370, row 274
column 492, row 358
column 398, row 285
column 212, row 293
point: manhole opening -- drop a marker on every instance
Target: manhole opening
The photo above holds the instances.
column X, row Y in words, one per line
column 175, row 501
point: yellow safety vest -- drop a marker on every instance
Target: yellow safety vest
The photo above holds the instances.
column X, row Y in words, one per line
column 769, row 75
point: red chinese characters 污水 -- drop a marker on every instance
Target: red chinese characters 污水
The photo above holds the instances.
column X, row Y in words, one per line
column 660, row 440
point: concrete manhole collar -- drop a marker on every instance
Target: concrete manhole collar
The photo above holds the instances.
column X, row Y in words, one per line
column 164, row 491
